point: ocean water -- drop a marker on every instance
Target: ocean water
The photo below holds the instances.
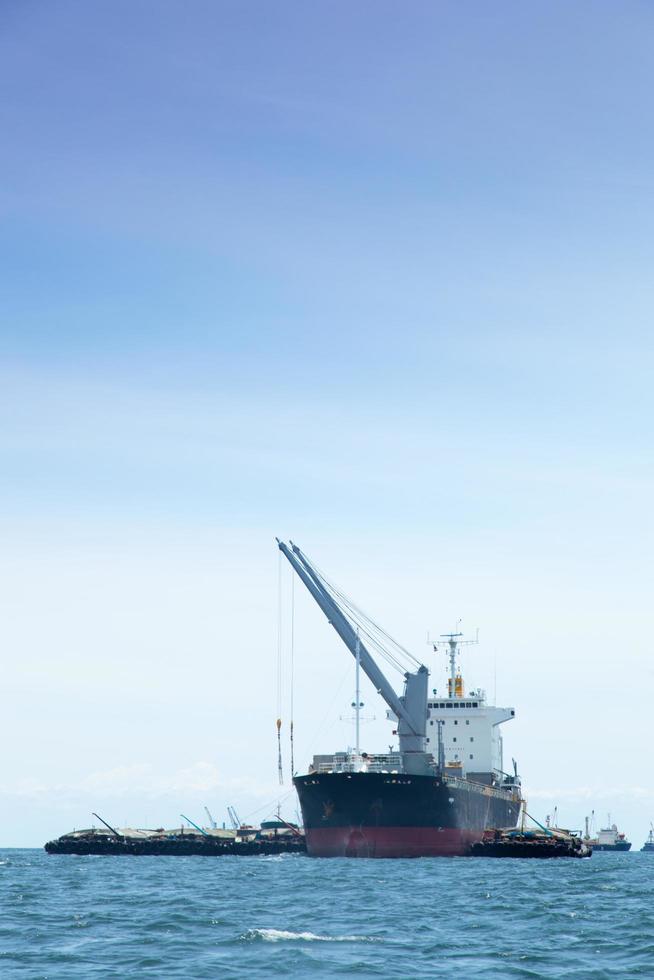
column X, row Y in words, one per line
column 293, row 916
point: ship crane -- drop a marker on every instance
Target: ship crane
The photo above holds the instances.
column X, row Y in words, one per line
column 234, row 818
column 410, row 708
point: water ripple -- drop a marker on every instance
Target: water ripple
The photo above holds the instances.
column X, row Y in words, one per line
column 87, row 917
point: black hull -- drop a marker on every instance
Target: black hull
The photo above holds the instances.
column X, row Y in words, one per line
column 391, row 815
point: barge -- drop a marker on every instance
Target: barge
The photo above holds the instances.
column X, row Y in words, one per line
column 528, row 843
column 273, row 837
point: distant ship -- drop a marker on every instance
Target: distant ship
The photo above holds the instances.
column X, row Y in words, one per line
column 649, row 843
column 608, row 839
column 440, row 789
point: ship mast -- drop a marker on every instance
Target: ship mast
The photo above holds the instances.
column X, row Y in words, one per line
column 357, row 699
column 453, row 642
column 410, row 709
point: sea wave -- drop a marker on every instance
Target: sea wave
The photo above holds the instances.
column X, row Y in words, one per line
column 279, row 935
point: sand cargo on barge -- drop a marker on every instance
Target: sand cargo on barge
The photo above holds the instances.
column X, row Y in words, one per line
column 169, row 845
column 445, row 784
column 273, row 837
column 523, row 842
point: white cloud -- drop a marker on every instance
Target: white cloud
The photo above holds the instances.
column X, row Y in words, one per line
column 593, row 793
column 144, row 780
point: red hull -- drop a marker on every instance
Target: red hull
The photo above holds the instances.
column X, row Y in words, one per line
column 389, row 842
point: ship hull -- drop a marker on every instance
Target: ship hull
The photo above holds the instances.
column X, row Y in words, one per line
column 621, row 846
column 386, row 815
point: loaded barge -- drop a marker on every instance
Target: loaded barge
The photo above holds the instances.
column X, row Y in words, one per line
column 527, row 843
column 273, row 837
column 443, row 786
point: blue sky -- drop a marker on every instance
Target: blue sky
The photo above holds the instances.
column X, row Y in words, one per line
column 373, row 276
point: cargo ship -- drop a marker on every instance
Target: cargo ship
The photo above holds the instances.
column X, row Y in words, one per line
column 608, row 838
column 441, row 788
column 648, row 846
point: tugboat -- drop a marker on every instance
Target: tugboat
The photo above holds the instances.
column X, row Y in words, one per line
column 444, row 785
column 648, row 846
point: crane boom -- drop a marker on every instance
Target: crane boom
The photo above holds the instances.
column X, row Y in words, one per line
column 411, row 708
column 184, row 817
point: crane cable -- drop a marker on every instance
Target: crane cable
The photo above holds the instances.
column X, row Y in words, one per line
column 368, row 626
column 376, row 634
column 380, row 639
column 280, row 770
column 292, row 665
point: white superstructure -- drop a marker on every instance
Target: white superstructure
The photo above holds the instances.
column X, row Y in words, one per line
column 469, row 731
column 470, row 737
column 609, row 835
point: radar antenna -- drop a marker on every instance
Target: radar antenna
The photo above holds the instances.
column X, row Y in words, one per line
column 450, row 642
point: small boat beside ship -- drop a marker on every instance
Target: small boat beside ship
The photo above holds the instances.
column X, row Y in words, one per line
column 522, row 842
